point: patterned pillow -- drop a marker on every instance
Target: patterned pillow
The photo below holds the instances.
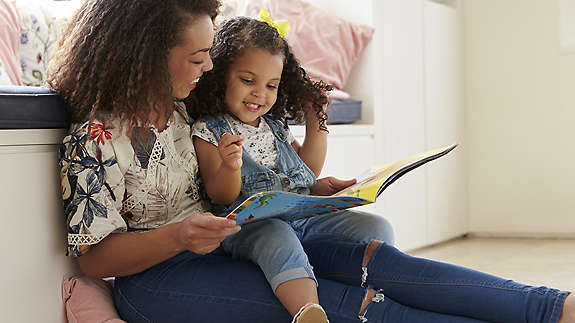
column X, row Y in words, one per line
column 38, row 39
column 34, row 40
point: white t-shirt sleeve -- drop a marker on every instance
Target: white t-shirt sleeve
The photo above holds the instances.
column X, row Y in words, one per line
column 200, row 130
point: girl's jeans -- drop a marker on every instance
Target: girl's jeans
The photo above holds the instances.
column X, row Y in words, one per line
column 275, row 246
column 216, row 288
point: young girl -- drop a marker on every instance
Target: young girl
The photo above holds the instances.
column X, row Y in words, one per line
column 244, row 146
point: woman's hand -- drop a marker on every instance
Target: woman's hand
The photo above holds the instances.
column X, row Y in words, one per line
column 330, row 185
column 202, row 233
column 122, row 254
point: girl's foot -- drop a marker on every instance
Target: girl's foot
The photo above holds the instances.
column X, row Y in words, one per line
column 310, row 313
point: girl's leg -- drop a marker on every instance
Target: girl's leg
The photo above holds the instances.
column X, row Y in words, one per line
column 215, row 288
column 436, row 286
column 350, row 226
column 296, row 293
column 276, row 249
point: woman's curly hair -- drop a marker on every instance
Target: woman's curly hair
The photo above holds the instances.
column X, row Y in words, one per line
column 112, row 60
column 296, row 90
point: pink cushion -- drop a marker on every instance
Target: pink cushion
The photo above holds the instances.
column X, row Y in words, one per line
column 89, row 300
column 10, row 25
column 327, row 46
column 339, row 95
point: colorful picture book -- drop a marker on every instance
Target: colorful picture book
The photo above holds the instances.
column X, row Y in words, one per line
column 370, row 184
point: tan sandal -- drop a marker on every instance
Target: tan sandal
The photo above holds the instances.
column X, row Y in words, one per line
column 310, row 313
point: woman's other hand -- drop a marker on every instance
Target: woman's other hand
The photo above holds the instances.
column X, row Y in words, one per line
column 330, row 185
column 202, row 233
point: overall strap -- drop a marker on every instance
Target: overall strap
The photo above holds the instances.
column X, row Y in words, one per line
column 217, row 125
column 277, row 128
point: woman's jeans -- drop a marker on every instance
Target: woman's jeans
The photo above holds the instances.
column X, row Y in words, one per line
column 216, row 288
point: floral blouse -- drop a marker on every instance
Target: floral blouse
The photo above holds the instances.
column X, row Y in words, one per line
column 111, row 183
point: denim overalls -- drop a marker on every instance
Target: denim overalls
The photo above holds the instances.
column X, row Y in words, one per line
column 272, row 244
column 289, row 173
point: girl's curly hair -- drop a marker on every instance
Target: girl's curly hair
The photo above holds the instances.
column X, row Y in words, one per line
column 112, row 59
column 296, row 90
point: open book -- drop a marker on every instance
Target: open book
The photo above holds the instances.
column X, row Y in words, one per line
column 370, row 184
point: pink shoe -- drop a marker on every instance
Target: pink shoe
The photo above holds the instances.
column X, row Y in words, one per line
column 310, row 313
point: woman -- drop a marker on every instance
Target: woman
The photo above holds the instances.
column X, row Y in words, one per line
column 135, row 209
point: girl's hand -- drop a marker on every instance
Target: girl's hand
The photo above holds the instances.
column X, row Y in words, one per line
column 330, row 185
column 230, row 149
column 202, row 233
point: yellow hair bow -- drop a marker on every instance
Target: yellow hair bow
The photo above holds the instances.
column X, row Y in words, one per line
column 282, row 26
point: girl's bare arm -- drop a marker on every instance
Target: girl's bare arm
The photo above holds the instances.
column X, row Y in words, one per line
column 220, row 167
column 314, row 147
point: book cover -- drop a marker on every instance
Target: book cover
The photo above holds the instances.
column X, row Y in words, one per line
column 370, row 184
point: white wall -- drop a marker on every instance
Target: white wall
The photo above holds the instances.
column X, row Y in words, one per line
column 520, row 99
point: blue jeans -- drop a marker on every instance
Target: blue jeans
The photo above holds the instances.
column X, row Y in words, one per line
column 275, row 245
column 216, row 288
column 420, row 290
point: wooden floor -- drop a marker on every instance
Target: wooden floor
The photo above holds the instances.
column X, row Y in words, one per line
column 549, row 262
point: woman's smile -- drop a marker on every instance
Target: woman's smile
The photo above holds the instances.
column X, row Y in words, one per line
column 192, row 85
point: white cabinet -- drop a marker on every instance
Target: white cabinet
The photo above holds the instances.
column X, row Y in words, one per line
column 350, row 151
column 32, row 235
column 444, row 120
column 410, row 80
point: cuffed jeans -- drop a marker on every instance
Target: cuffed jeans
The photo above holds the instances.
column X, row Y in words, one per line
column 275, row 245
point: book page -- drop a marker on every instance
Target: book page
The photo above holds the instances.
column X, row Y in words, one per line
column 290, row 206
column 371, row 182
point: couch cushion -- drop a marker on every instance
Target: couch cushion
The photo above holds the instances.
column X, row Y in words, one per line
column 10, row 22
column 27, row 107
column 326, row 45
